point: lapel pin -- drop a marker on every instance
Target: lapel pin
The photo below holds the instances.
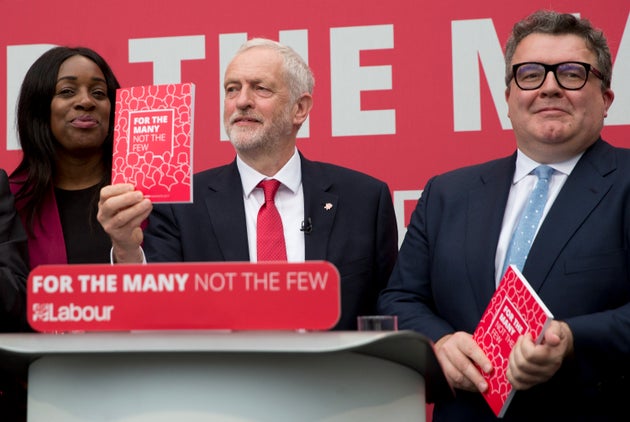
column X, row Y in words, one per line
column 328, row 206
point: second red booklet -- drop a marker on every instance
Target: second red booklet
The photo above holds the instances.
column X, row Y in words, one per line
column 514, row 310
column 153, row 140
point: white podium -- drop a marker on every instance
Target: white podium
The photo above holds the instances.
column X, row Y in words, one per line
column 271, row 376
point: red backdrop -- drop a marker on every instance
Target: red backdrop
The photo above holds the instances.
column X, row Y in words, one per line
column 404, row 88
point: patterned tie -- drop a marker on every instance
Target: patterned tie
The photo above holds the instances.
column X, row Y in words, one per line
column 270, row 236
column 526, row 228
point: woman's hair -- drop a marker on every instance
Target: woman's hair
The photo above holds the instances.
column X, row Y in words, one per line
column 554, row 23
column 36, row 171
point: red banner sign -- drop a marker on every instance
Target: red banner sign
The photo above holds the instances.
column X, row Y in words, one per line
column 404, row 90
column 235, row 295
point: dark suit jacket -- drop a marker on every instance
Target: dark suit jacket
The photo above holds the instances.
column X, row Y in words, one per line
column 13, row 263
column 578, row 264
column 358, row 234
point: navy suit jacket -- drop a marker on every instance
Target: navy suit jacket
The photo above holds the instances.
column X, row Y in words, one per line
column 358, row 234
column 578, row 264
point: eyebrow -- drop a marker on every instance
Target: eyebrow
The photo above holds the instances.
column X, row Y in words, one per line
column 74, row 78
column 236, row 80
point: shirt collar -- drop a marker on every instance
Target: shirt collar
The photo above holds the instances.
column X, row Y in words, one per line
column 290, row 175
column 525, row 165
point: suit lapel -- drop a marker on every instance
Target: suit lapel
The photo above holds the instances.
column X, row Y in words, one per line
column 320, row 206
column 224, row 201
column 486, row 206
column 583, row 190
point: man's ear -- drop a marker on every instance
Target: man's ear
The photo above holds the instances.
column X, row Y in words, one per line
column 302, row 108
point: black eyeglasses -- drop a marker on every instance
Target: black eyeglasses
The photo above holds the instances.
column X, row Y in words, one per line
column 569, row 75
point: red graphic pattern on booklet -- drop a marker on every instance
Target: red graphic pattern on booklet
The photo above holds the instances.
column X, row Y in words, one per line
column 514, row 310
column 153, row 137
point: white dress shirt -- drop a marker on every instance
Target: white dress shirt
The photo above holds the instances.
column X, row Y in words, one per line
column 289, row 201
column 522, row 185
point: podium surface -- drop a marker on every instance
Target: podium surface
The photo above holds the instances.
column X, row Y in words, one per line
column 226, row 376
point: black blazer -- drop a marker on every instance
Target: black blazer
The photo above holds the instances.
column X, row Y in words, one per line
column 13, row 263
column 578, row 264
column 358, row 234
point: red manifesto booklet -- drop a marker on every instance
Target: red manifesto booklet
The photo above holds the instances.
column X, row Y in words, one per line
column 153, row 140
column 514, row 310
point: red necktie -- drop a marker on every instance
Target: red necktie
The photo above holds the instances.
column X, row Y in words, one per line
column 270, row 236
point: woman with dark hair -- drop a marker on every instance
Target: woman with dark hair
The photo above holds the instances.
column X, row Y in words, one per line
column 65, row 120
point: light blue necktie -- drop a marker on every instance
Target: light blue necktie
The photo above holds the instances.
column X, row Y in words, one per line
column 526, row 228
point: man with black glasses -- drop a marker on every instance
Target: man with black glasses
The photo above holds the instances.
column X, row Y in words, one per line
column 558, row 74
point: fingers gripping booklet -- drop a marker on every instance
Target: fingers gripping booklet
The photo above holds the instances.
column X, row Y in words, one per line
column 153, row 140
column 514, row 310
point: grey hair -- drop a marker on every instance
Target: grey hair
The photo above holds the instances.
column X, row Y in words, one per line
column 298, row 74
column 554, row 23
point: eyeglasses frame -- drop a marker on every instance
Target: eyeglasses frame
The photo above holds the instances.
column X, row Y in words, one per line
column 553, row 68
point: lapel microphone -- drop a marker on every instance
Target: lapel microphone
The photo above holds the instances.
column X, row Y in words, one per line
column 306, row 226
